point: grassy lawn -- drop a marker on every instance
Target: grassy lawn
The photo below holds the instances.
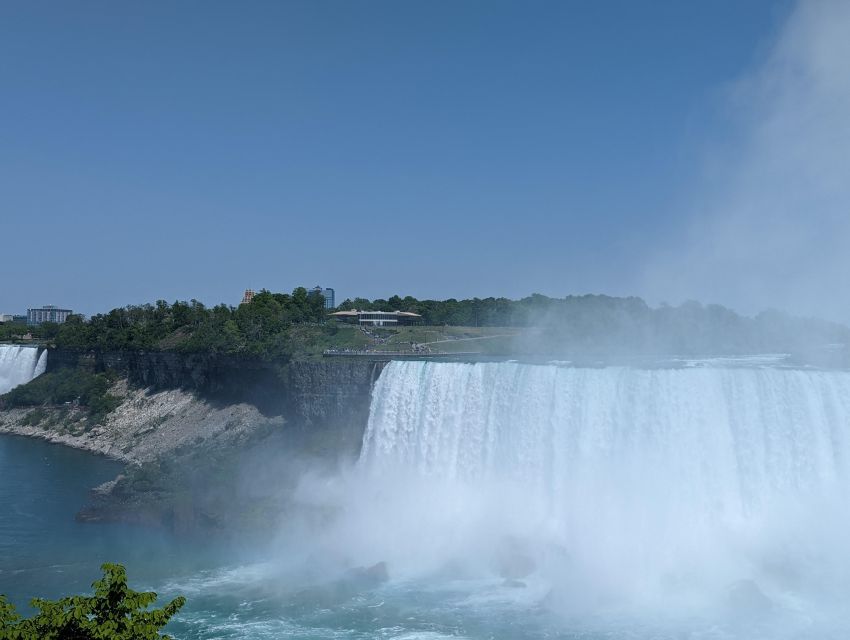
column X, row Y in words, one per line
column 495, row 340
column 310, row 341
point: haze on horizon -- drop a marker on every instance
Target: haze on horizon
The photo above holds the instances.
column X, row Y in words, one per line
column 666, row 150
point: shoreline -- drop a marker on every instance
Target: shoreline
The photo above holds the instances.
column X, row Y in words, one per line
column 158, row 438
column 71, row 441
column 144, row 427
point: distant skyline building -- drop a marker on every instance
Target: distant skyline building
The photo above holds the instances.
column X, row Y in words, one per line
column 47, row 313
column 328, row 294
column 248, row 296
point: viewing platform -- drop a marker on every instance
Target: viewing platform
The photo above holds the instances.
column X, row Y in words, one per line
column 367, row 354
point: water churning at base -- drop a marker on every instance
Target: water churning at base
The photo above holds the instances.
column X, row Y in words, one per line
column 19, row 365
column 622, row 482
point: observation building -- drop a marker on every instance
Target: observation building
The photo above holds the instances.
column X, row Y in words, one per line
column 378, row 318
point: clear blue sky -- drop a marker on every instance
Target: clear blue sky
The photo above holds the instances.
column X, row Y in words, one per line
column 439, row 149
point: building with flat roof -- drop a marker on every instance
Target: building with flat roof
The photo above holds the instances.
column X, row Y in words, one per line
column 378, row 318
column 47, row 313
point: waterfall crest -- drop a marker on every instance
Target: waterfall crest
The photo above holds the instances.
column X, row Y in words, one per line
column 19, row 365
column 729, row 439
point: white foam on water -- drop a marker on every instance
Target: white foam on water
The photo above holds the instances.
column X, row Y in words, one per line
column 535, row 501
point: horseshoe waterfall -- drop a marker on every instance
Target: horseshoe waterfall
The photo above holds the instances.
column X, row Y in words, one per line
column 621, row 489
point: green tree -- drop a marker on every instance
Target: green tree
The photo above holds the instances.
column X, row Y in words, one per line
column 114, row 612
column 46, row 330
column 12, row 330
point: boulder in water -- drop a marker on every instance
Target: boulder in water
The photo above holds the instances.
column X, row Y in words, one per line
column 369, row 576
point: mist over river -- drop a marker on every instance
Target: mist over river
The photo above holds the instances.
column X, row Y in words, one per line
column 506, row 500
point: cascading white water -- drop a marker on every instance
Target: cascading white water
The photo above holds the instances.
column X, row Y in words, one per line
column 725, row 441
column 19, row 365
column 621, row 484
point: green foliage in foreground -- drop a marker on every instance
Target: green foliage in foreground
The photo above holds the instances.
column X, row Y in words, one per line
column 114, row 612
column 66, row 385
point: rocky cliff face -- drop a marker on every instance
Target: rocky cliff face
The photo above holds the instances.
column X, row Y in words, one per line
column 190, row 426
column 307, row 394
column 323, row 393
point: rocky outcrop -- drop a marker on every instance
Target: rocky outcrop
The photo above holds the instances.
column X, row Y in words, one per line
column 145, row 426
column 189, row 426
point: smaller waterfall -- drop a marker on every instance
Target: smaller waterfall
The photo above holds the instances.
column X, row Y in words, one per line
column 41, row 365
column 19, row 365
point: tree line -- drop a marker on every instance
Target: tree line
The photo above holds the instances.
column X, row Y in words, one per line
column 258, row 329
column 530, row 311
column 628, row 325
column 561, row 326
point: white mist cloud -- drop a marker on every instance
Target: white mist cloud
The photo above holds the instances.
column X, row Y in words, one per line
column 772, row 226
